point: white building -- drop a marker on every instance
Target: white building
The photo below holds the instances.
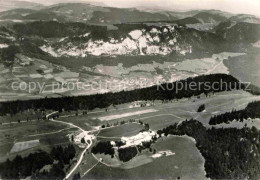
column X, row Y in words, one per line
column 138, row 139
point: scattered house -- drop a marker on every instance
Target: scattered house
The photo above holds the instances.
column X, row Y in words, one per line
column 25, row 63
column 86, row 68
column 257, row 44
column 139, row 104
column 112, row 143
column 3, row 46
column 48, row 76
column 87, row 137
column 43, row 66
column 36, row 76
column 47, row 71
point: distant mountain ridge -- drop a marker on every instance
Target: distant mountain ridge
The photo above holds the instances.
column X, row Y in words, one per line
column 245, row 18
column 80, row 40
column 101, row 14
column 13, row 4
column 206, row 17
column 81, row 29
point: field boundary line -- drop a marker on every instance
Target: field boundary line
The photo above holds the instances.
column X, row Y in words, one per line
column 54, row 132
column 161, row 115
column 84, row 174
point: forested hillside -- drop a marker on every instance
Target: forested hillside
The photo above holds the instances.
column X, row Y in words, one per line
column 229, row 153
column 168, row 91
column 251, row 111
column 31, row 165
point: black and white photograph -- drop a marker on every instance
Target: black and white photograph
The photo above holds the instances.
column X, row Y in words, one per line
column 129, row 89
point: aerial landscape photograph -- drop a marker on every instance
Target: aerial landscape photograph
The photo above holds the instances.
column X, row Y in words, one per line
column 129, row 89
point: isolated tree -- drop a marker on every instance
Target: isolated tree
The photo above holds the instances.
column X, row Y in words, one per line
column 146, row 126
column 76, row 176
column 154, row 151
column 201, row 108
column 83, row 140
column 8, row 55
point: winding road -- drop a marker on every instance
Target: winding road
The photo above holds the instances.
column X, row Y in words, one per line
column 90, row 142
column 82, row 153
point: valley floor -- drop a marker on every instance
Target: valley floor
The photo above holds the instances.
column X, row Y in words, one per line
column 186, row 161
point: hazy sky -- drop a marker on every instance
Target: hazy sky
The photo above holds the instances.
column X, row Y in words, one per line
column 235, row 6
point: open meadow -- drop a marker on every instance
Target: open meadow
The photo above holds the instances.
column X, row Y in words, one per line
column 14, row 137
column 186, row 162
column 121, row 130
column 183, row 153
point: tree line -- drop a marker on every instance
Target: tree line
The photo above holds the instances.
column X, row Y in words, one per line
column 164, row 92
column 23, row 167
column 103, row 147
column 251, row 111
column 229, row 153
column 126, row 154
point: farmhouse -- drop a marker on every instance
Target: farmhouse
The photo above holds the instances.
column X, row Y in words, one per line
column 48, row 76
column 139, row 104
column 35, row 76
column 47, row 71
column 87, row 137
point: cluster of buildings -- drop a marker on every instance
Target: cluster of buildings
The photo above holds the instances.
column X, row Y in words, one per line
column 83, row 135
column 138, row 139
column 139, row 104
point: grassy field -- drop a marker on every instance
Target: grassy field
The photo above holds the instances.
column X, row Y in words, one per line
column 88, row 162
column 161, row 121
column 48, row 133
column 22, row 116
column 15, row 131
column 187, row 163
column 83, row 121
column 46, row 144
column 122, row 130
column 167, row 113
column 21, row 146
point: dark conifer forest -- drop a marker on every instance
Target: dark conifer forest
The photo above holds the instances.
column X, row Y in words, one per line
column 229, row 153
column 31, row 165
column 169, row 91
column 251, row 111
